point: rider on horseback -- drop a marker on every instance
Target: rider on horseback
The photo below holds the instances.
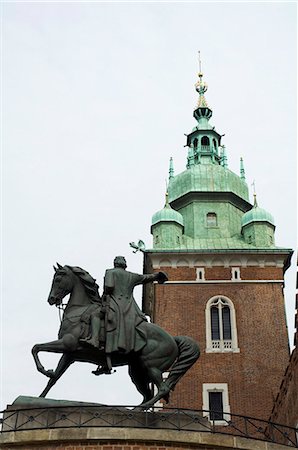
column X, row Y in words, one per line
column 147, row 349
column 120, row 313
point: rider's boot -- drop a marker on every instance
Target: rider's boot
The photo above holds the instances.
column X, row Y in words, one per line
column 102, row 370
column 106, row 368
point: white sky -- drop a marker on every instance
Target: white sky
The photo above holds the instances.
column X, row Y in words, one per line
column 96, row 97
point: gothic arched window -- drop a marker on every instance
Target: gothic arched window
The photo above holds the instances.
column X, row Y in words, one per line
column 221, row 331
column 205, row 141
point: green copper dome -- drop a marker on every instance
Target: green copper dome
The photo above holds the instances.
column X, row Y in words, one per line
column 167, row 214
column 257, row 214
column 207, row 178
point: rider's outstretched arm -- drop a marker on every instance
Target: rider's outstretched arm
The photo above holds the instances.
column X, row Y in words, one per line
column 160, row 277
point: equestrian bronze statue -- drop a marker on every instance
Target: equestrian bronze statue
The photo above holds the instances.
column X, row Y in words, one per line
column 112, row 331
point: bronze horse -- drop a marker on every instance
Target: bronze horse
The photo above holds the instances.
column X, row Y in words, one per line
column 161, row 353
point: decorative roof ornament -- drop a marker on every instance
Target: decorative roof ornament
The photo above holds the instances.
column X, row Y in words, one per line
column 171, row 169
column 140, row 246
column 202, row 112
column 224, row 159
column 167, row 205
column 254, row 194
column 242, row 171
column 201, row 87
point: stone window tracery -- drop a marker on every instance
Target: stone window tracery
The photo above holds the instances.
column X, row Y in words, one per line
column 221, row 331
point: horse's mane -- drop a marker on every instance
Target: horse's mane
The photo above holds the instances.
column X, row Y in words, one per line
column 89, row 283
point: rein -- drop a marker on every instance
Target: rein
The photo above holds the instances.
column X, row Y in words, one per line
column 61, row 309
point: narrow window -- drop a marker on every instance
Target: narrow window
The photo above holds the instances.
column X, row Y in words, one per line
column 226, row 323
column 235, row 273
column 200, row 274
column 215, row 405
column 195, row 143
column 215, row 334
column 211, row 220
column 156, row 239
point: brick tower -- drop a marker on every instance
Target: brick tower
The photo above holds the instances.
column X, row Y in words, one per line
column 226, row 278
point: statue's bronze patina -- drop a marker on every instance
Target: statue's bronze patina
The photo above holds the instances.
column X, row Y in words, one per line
column 112, row 331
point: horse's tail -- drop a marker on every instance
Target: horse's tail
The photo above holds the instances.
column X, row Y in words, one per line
column 189, row 352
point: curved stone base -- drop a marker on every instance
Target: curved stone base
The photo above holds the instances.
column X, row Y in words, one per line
column 127, row 439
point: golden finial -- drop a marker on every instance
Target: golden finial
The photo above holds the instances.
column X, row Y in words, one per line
column 201, row 86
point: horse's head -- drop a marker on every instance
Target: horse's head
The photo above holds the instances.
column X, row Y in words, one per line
column 61, row 286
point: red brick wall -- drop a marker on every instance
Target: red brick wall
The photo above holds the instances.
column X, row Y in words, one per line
column 254, row 374
column 285, row 408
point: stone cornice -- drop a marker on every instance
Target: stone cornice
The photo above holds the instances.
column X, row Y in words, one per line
column 225, row 258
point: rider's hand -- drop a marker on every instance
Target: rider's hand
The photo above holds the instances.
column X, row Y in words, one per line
column 162, row 277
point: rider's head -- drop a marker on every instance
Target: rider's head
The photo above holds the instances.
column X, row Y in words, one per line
column 120, row 261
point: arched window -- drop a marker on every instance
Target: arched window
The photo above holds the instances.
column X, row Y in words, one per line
column 211, row 220
column 214, row 144
column 195, row 142
column 221, row 331
column 205, row 140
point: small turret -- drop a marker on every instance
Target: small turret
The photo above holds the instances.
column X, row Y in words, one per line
column 257, row 226
column 167, row 227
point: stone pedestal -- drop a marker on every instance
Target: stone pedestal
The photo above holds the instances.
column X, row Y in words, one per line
column 43, row 424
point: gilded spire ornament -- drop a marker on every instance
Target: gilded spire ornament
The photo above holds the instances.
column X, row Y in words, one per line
column 201, row 87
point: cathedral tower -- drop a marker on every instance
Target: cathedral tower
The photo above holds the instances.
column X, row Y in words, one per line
column 226, row 278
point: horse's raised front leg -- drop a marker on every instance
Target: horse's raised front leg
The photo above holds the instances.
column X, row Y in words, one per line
column 65, row 361
column 66, row 344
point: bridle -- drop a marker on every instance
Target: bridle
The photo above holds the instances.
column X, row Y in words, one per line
column 61, row 307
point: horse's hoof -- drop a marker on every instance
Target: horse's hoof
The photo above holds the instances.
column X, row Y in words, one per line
column 138, row 408
column 143, row 406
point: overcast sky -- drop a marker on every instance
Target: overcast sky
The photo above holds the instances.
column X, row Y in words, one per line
column 96, row 97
